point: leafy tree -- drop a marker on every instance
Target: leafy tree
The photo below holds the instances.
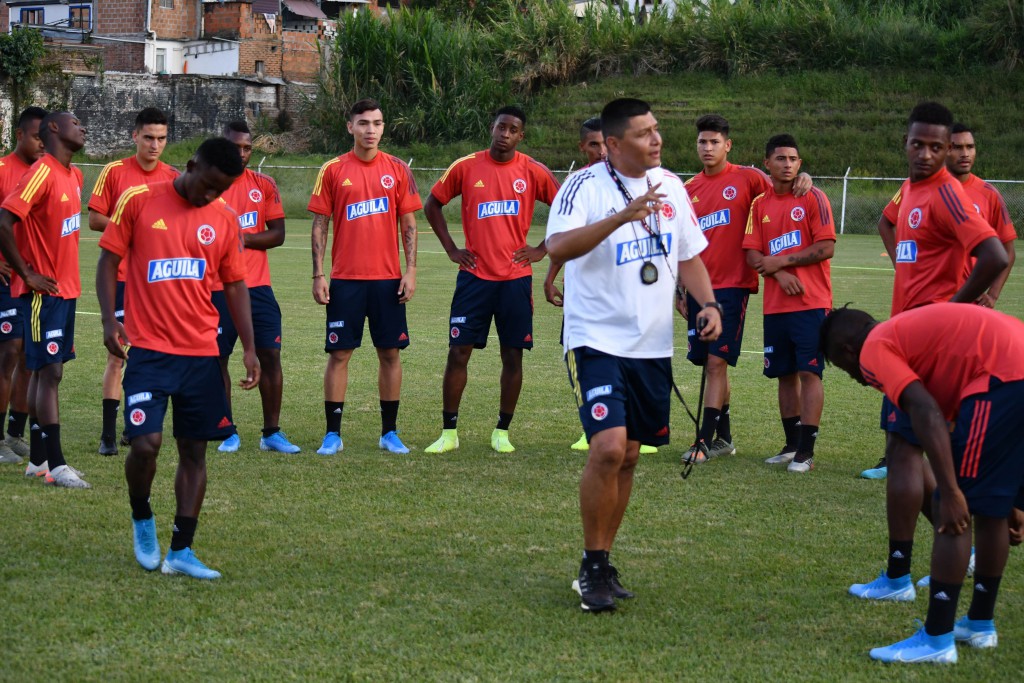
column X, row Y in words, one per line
column 21, row 56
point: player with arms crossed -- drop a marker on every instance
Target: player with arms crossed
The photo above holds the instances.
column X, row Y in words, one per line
column 175, row 235
column 368, row 193
column 624, row 230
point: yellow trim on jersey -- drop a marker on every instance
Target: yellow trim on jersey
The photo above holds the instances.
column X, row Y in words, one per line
column 898, row 197
column 750, row 216
column 570, row 359
column 454, row 164
column 128, row 194
column 33, row 184
column 37, row 307
column 318, row 186
column 97, row 189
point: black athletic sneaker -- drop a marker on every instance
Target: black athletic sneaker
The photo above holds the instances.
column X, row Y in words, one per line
column 107, row 447
column 595, row 592
column 618, row 592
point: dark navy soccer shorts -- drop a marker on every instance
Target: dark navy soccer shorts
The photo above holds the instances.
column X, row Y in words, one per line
column 266, row 320
column 895, row 421
column 355, row 301
column 612, row 391
column 791, row 343
column 119, row 302
column 476, row 301
column 727, row 346
column 50, row 330
column 12, row 320
column 194, row 385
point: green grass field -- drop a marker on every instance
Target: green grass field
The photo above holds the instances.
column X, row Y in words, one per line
column 377, row 567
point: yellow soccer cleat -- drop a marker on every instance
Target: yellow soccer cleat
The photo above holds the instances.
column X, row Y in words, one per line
column 581, row 444
column 500, row 443
column 449, row 441
column 648, row 450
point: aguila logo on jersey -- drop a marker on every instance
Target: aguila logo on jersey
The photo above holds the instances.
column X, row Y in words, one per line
column 248, row 219
column 387, row 181
column 9, row 313
column 176, row 269
column 599, row 411
column 642, row 249
column 519, row 185
column 366, row 208
column 140, row 397
column 52, row 348
column 783, row 242
column 798, row 213
column 137, row 416
column 713, row 220
column 668, row 211
column 507, row 207
column 206, row 234
column 914, row 219
column 603, row 390
column 906, row 252
column 729, row 193
column 70, row 225
column 255, row 196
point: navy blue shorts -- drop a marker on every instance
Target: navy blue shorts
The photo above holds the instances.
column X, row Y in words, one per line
column 50, row 332
column 119, row 302
column 12, row 320
column 193, row 383
column 727, row 346
column 476, row 301
column 355, row 301
column 266, row 320
column 988, row 449
column 791, row 343
column 895, row 421
column 612, row 391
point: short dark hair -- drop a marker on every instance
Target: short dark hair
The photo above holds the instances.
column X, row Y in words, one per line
column 222, row 154
column 780, row 140
column 931, row 113
column 846, row 322
column 616, row 115
column 960, row 128
column 713, row 123
column 591, row 125
column 31, row 114
column 511, row 110
column 44, row 126
column 237, row 127
column 362, row 106
column 150, row 116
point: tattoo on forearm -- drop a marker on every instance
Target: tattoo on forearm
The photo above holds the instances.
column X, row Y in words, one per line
column 409, row 244
column 815, row 256
column 319, row 241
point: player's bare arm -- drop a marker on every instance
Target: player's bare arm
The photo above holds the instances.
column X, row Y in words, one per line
column 933, row 431
column 318, row 237
column 114, row 335
column 789, row 282
column 5, row 272
column 991, row 261
column 571, row 244
column 237, row 295
column 270, row 238
column 802, row 184
column 887, row 231
column 33, row 280
column 551, row 291
column 407, row 287
column 435, row 216
column 693, row 277
column 989, row 298
column 97, row 221
column 526, row 255
column 816, row 253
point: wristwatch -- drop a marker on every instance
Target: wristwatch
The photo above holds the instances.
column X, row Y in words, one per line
column 715, row 305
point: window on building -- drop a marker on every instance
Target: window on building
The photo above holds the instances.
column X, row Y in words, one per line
column 161, row 60
column 166, row 4
column 260, row 67
column 33, row 15
column 80, row 16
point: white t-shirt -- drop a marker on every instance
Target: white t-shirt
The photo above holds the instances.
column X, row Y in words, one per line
column 606, row 305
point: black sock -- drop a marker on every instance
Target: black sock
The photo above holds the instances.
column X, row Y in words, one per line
column 140, row 507
column 724, row 428
column 388, row 417
column 983, row 602
column 51, row 439
column 805, row 444
column 4, row 416
column 332, row 413
column 899, row 558
column 709, row 425
column 941, row 607
column 595, row 556
column 790, row 425
column 449, row 420
column 16, row 423
column 36, row 450
column 110, row 406
column 504, row 420
column 268, row 431
column 184, row 532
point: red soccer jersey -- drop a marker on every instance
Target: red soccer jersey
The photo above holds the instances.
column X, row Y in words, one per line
column 974, row 345
column 48, row 200
column 255, row 199
column 722, row 204
column 781, row 224
column 12, row 168
column 936, row 229
column 497, row 207
column 989, row 203
column 173, row 250
column 118, row 176
column 365, row 200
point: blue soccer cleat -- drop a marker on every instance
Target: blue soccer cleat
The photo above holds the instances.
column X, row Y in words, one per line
column 230, row 444
column 331, row 444
column 147, row 549
column 918, row 649
column 278, row 442
column 879, row 471
column 884, row 588
column 392, row 444
column 976, row 633
column 184, row 562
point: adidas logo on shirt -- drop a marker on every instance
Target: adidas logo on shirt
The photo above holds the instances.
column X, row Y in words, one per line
column 159, row 225
column 346, row 183
column 479, row 183
column 694, row 199
column 766, row 220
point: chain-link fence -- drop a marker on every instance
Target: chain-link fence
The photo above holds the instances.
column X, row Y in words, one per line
column 857, row 201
